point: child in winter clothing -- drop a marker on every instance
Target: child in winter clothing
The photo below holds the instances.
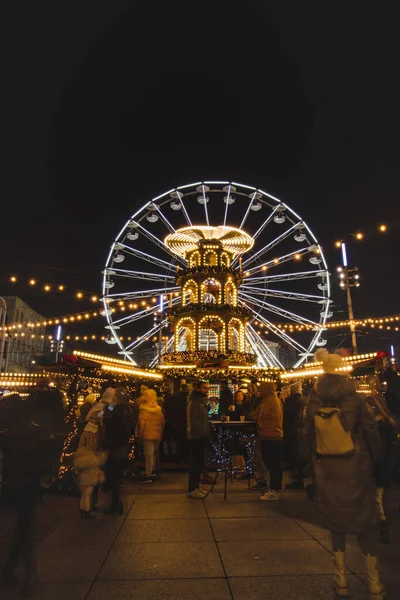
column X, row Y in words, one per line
column 150, row 429
column 87, row 464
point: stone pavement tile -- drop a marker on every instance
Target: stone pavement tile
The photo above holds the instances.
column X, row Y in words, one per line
column 245, row 496
column 231, row 530
column 189, row 560
column 183, row 509
column 170, row 530
column 315, row 530
column 388, row 556
column 295, row 587
column 260, row 558
column 52, row 591
column 102, row 530
column 70, row 563
column 217, row 509
column 160, row 497
column 391, row 581
column 178, row 589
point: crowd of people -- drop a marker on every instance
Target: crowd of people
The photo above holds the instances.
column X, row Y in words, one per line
column 339, row 440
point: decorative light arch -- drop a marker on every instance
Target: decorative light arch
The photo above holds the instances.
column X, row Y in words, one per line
column 225, row 259
column 220, row 336
column 230, row 293
column 190, row 325
column 203, row 291
column 194, row 259
column 237, row 324
column 193, row 287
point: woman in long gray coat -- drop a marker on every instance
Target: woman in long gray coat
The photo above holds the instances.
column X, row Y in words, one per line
column 344, row 483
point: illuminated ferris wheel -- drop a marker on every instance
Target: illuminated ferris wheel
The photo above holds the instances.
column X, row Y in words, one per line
column 284, row 287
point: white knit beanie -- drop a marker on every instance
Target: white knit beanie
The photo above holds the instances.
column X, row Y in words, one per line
column 331, row 363
column 108, row 395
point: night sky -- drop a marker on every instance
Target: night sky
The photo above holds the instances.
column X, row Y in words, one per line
column 110, row 103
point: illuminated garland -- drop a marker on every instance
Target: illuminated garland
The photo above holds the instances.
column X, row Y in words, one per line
column 206, row 355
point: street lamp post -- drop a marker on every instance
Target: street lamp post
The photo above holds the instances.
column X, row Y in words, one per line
column 3, row 315
column 349, row 278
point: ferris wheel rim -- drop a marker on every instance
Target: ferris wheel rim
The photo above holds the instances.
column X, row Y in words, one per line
column 271, row 202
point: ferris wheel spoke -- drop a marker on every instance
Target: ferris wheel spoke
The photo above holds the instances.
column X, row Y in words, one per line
column 136, row 316
column 275, row 242
column 287, row 314
column 205, row 203
column 227, row 203
column 160, row 243
column 283, row 294
column 296, row 255
column 261, row 348
column 185, row 212
column 248, row 209
column 144, row 293
column 266, row 222
column 145, row 337
column 142, row 275
column 149, row 258
column 286, row 277
column 170, row 347
column 278, row 332
column 164, row 219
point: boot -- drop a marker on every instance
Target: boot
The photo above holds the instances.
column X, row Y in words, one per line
column 339, row 575
column 376, row 589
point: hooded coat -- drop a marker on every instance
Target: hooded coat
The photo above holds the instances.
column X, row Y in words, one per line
column 293, row 425
column 151, row 421
column 344, row 484
column 270, row 416
column 198, row 425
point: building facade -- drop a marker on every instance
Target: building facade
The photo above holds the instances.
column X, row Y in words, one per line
column 23, row 344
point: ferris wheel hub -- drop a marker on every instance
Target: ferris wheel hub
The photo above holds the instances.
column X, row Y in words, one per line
column 187, row 239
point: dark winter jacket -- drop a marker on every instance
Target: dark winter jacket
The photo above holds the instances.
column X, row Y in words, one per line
column 118, row 429
column 175, row 414
column 344, row 484
column 198, row 425
column 225, row 401
column 251, row 407
column 293, row 425
column 33, row 435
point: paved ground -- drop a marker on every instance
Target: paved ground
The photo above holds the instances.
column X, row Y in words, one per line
column 167, row 546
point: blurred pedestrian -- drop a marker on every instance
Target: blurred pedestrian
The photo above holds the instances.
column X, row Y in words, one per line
column 225, row 399
column 270, row 430
column 35, row 431
column 343, row 440
column 118, row 430
column 175, row 422
column 88, row 465
column 150, row 430
column 293, row 425
column 382, row 467
column 198, row 434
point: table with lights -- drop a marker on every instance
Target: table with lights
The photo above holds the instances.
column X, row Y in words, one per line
column 232, row 438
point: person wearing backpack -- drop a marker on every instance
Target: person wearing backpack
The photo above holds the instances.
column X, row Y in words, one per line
column 343, row 441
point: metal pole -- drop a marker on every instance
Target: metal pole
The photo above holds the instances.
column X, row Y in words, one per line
column 160, row 330
column 351, row 313
column 3, row 331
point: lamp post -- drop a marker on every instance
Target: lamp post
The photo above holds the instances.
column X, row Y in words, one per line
column 3, row 314
column 349, row 278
